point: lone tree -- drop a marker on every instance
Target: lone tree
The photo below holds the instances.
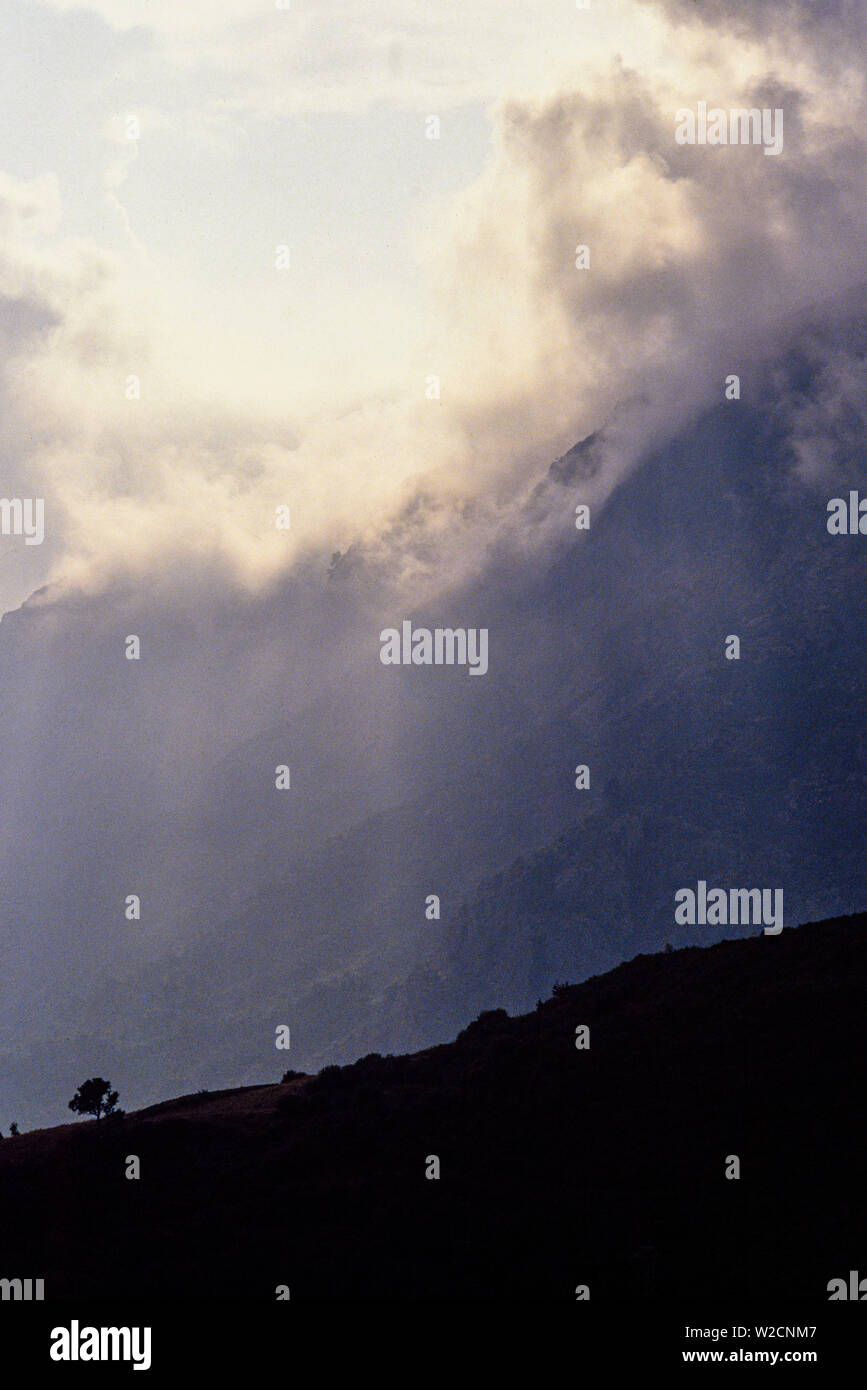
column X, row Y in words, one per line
column 94, row 1097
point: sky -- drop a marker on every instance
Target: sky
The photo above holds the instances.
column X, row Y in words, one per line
column 258, row 128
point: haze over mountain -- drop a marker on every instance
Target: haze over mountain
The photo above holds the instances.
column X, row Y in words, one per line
column 431, row 388
column 307, row 907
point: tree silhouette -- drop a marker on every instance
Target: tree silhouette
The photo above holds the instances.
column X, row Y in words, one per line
column 13, row 1129
column 94, row 1097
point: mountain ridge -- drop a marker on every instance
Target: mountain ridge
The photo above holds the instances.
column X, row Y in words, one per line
column 560, row 1166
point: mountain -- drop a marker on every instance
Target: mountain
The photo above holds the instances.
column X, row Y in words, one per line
column 560, row 1166
column 607, row 648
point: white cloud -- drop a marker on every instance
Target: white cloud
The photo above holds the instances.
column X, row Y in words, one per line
column 701, row 261
column 323, row 55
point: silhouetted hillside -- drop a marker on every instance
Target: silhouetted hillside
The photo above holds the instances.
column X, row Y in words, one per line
column 559, row 1166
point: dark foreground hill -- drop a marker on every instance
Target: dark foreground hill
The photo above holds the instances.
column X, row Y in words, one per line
column 560, row 1167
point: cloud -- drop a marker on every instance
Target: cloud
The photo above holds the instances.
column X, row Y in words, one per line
column 333, row 56
column 28, row 208
column 821, row 390
column 703, row 262
column 833, row 21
